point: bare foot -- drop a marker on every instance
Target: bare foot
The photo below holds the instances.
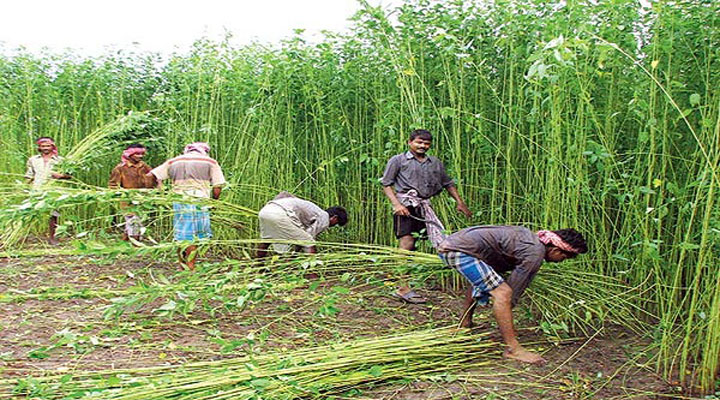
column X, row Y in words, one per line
column 523, row 355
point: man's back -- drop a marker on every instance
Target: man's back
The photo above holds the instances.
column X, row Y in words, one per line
column 193, row 174
column 502, row 247
column 307, row 213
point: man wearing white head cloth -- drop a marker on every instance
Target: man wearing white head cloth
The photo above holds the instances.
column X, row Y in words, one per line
column 194, row 174
column 482, row 253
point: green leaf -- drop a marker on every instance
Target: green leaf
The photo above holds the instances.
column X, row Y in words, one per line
column 260, row 383
column 689, row 246
column 169, row 306
column 694, row 99
column 341, row 290
column 39, row 354
column 376, row 371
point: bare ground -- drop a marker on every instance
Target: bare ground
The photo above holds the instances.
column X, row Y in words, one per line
column 608, row 366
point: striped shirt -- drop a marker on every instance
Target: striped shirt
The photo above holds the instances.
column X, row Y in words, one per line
column 192, row 174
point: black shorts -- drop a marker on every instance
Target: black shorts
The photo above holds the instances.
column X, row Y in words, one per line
column 407, row 226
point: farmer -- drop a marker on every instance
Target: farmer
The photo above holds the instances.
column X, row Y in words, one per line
column 409, row 181
column 287, row 217
column 132, row 173
column 193, row 174
column 40, row 169
column 482, row 253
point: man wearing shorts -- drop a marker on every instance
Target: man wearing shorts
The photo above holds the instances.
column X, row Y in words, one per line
column 193, row 174
column 409, row 181
column 287, row 217
column 482, row 253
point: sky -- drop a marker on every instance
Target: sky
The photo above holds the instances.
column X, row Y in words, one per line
column 93, row 27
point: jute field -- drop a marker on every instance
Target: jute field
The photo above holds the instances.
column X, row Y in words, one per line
column 602, row 116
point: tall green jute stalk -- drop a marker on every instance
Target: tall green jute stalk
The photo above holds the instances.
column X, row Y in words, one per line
column 599, row 116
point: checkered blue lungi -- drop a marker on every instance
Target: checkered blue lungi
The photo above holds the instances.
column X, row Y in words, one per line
column 191, row 222
column 482, row 276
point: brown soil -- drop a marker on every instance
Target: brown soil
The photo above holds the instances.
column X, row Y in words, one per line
column 608, row 366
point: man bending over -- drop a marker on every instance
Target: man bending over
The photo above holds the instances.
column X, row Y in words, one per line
column 287, row 217
column 482, row 253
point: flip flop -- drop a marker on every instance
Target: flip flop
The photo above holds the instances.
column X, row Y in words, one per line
column 410, row 297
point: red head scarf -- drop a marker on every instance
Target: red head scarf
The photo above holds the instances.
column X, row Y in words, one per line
column 550, row 237
column 125, row 158
column 200, row 147
column 54, row 151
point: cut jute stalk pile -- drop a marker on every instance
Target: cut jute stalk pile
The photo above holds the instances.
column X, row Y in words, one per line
column 569, row 298
column 313, row 372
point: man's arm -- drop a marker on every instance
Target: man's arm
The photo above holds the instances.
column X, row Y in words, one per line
column 217, row 180
column 60, row 175
column 388, row 180
column 461, row 206
column 521, row 277
column 398, row 208
column 447, row 182
column 114, row 181
column 30, row 172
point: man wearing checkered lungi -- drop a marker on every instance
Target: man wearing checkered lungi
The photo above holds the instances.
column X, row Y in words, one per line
column 193, row 174
column 482, row 253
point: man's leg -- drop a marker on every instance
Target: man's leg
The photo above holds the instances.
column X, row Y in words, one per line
column 469, row 309
column 407, row 242
column 181, row 257
column 502, row 308
column 261, row 251
column 133, row 227
column 52, row 228
column 190, row 256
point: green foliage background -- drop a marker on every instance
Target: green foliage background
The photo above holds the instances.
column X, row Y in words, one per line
column 604, row 117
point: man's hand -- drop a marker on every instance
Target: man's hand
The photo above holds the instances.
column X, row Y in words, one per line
column 461, row 207
column 400, row 209
column 56, row 175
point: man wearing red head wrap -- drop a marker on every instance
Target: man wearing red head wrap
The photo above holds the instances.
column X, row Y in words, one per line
column 40, row 170
column 482, row 253
column 132, row 173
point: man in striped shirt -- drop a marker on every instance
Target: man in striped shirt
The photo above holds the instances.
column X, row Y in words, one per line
column 193, row 174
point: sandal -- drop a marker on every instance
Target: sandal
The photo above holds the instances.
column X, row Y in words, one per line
column 410, row 297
